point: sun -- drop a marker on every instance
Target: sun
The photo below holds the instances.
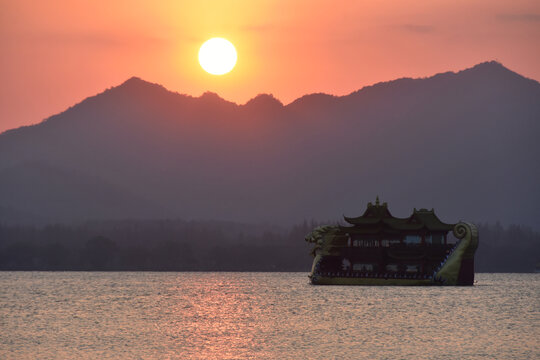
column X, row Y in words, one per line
column 217, row 56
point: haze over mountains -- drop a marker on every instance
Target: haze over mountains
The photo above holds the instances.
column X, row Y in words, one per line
column 466, row 144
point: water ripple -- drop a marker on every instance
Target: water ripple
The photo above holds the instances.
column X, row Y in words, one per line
column 80, row 315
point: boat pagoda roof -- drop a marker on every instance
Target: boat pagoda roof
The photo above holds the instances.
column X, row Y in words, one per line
column 377, row 218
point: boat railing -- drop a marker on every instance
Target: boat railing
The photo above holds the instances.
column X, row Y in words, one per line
column 446, row 258
column 415, row 276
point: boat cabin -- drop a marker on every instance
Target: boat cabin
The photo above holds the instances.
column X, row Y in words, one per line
column 378, row 228
column 378, row 243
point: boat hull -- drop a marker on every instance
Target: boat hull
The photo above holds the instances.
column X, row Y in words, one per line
column 327, row 280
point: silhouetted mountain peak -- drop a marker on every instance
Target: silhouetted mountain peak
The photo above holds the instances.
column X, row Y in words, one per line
column 315, row 100
column 492, row 70
column 488, row 73
column 135, row 83
column 210, row 95
column 134, row 80
column 489, row 66
column 211, row 99
column 265, row 101
column 492, row 67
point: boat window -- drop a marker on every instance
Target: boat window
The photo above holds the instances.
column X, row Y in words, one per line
column 366, row 243
column 391, row 267
column 389, row 242
column 412, row 239
column 412, row 268
column 370, row 243
column 428, row 239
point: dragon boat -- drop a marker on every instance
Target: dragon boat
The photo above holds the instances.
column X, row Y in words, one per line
column 380, row 249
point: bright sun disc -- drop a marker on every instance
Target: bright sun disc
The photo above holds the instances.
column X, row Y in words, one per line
column 217, row 56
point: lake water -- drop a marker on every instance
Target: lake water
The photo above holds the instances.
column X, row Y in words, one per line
column 67, row 315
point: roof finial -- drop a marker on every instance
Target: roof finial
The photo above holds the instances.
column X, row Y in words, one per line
column 377, row 201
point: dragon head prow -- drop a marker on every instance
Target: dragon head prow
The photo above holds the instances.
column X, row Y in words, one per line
column 317, row 235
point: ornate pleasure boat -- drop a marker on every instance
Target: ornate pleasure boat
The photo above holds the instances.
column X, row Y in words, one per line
column 379, row 249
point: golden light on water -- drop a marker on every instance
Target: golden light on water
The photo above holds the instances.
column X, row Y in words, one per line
column 217, row 56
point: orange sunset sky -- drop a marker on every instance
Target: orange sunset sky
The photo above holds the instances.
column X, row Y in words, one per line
column 55, row 53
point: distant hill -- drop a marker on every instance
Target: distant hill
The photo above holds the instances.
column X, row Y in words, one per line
column 466, row 144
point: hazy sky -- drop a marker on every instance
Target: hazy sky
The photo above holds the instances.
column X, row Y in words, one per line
column 55, row 53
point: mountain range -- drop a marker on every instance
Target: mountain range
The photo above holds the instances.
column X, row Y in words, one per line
column 465, row 143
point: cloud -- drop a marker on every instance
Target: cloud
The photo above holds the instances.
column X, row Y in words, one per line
column 523, row 17
column 416, row 28
column 95, row 39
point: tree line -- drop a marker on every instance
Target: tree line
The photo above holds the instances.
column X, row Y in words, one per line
column 176, row 245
